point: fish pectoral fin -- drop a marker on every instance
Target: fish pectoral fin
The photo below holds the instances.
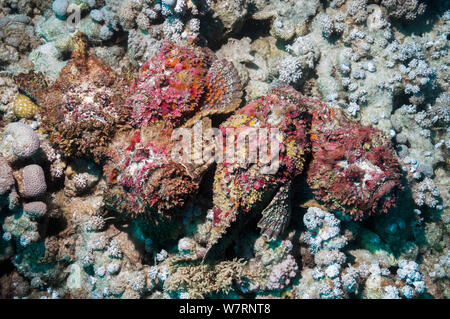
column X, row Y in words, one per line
column 276, row 216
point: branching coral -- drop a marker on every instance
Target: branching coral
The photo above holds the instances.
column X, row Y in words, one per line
column 357, row 9
column 17, row 37
column 326, row 243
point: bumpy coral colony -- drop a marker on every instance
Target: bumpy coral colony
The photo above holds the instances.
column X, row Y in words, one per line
column 352, row 165
column 353, row 168
column 232, row 148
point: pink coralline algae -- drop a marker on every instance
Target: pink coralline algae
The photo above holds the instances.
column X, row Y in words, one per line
column 176, row 87
column 354, row 168
column 182, row 81
column 244, row 187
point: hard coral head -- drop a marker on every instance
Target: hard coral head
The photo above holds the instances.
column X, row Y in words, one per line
column 169, row 85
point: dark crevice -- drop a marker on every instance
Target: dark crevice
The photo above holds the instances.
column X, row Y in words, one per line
column 255, row 29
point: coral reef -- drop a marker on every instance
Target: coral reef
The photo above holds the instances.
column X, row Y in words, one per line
column 7, row 187
column 404, row 9
column 224, row 149
column 19, row 141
